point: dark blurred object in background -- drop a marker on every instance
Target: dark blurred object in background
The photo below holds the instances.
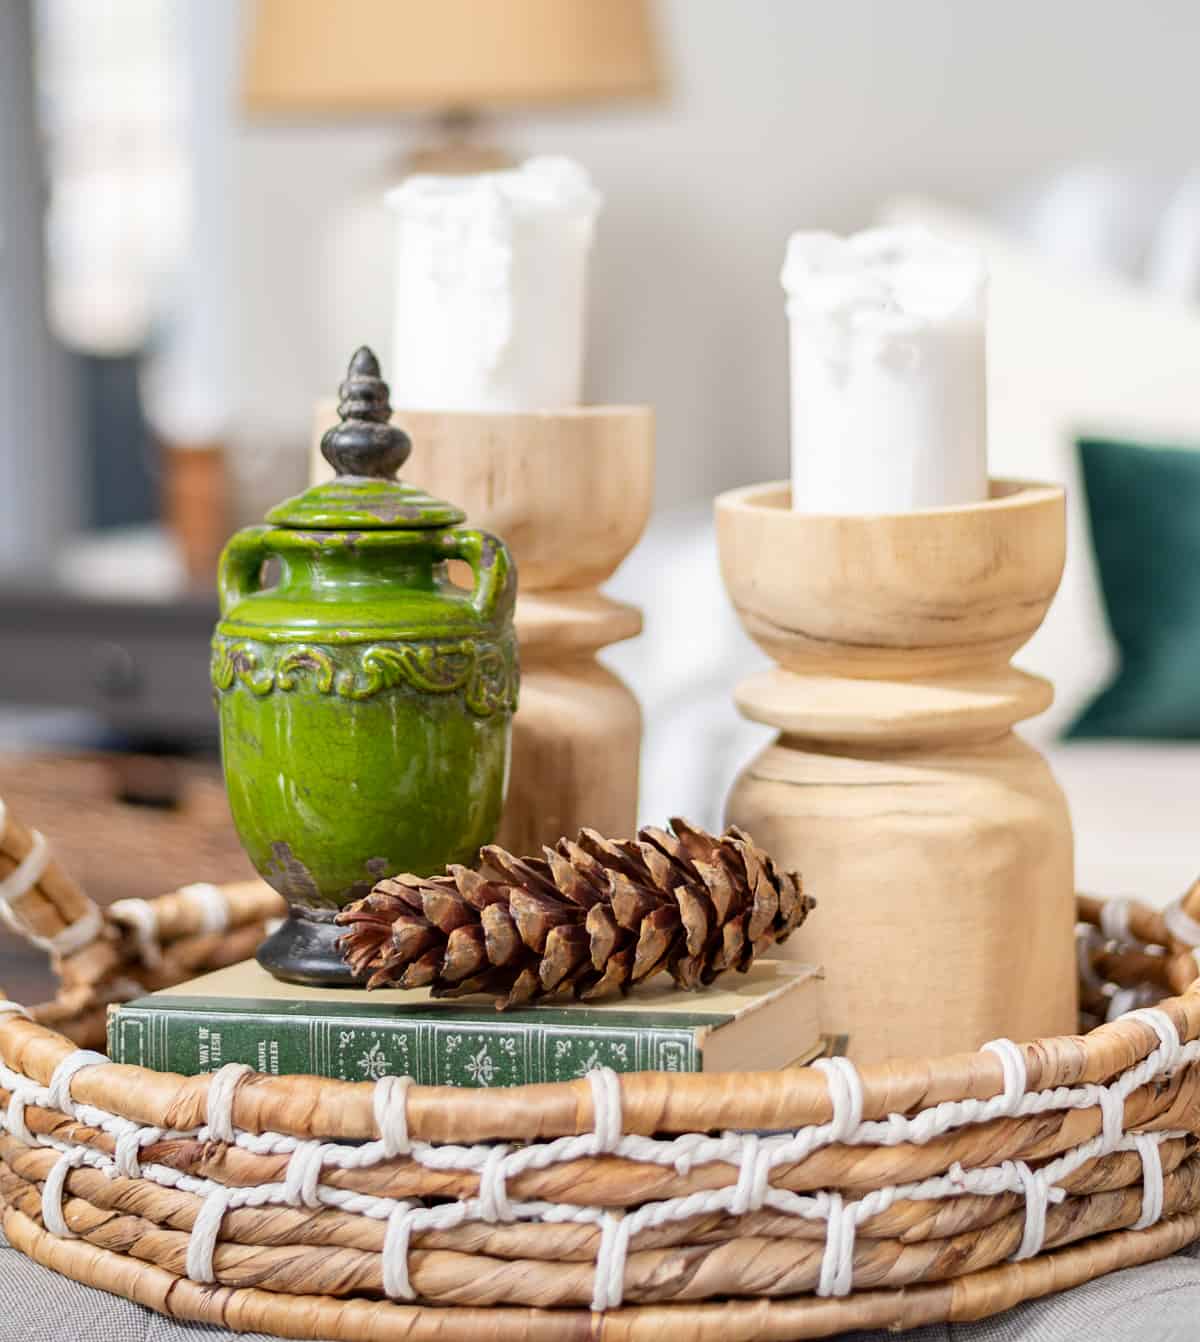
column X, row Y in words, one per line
column 118, row 448
column 138, row 664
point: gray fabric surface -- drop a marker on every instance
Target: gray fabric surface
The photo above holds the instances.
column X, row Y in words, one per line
column 1159, row 1303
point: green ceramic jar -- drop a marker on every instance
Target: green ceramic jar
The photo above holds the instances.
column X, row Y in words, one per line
column 365, row 700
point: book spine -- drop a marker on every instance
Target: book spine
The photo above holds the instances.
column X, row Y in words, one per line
column 432, row 1052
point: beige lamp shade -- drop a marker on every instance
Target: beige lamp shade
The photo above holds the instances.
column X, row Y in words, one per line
column 365, row 57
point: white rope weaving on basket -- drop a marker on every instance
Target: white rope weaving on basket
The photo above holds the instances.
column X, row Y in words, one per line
column 999, row 1179
column 23, row 877
column 1036, row 1188
column 1152, row 1179
column 609, row 1282
column 1087, row 941
column 21, row 880
column 390, row 1102
column 303, row 1178
column 26, row 874
column 75, row 936
column 688, row 1149
column 202, row 1243
column 1114, row 920
column 211, row 903
column 1112, row 1120
column 754, row 1174
column 221, row 1087
column 53, row 1189
column 608, row 1289
column 752, row 1156
column 58, row 1092
column 846, row 1098
column 651, row 1215
column 493, row 1187
column 14, row 1116
column 606, row 1108
column 1124, row 1001
column 139, row 917
column 845, row 1095
column 127, row 1152
column 837, row 1262
column 394, row 1257
column 1181, row 925
column 1164, row 1027
column 407, row 1217
column 693, row 1148
column 1016, row 1076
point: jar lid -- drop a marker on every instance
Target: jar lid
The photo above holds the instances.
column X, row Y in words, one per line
column 366, row 450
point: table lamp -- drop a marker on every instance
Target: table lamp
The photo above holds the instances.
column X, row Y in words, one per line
column 456, row 59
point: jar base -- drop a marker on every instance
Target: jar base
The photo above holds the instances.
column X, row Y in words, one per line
column 305, row 951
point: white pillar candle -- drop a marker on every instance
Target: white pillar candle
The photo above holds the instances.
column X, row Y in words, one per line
column 889, row 402
column 491, row 284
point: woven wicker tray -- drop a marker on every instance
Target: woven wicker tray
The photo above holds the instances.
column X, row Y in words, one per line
column 748, row 1207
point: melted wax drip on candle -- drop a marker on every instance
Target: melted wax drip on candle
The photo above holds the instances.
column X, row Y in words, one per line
column 889, row 409
column 491, row 288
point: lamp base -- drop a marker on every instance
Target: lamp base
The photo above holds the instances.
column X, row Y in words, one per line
column 457, row 147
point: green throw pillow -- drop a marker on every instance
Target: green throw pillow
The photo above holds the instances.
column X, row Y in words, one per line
column 1144, row 505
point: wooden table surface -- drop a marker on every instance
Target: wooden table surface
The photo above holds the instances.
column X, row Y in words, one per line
column 124, row 827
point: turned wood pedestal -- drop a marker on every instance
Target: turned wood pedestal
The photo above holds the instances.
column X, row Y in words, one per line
column 936, row 842
column 570, row 493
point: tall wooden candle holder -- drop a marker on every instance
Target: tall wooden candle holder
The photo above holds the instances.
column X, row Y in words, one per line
column 570, row 493
column 936, row 842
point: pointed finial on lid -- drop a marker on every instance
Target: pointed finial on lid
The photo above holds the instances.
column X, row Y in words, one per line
column 365, row 443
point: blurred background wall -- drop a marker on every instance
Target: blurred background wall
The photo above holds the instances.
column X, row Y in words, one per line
column 209, row 273
column 776, row 114
column 39, row 496
column 779, row 114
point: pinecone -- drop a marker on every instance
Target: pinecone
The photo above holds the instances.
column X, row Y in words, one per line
column 590, row 919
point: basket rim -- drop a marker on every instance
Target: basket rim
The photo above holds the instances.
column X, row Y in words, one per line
column 651, row 1102
column 1128, row 1085
column 314, row 1318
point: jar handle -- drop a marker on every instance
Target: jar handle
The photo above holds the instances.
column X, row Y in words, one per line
column 240, row 571
column 495, row 573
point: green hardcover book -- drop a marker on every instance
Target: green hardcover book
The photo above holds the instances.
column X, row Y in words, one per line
column 761, row 1020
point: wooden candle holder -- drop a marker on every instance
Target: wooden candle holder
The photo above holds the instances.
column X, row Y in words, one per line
column 937, row 843
column 570, row 492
